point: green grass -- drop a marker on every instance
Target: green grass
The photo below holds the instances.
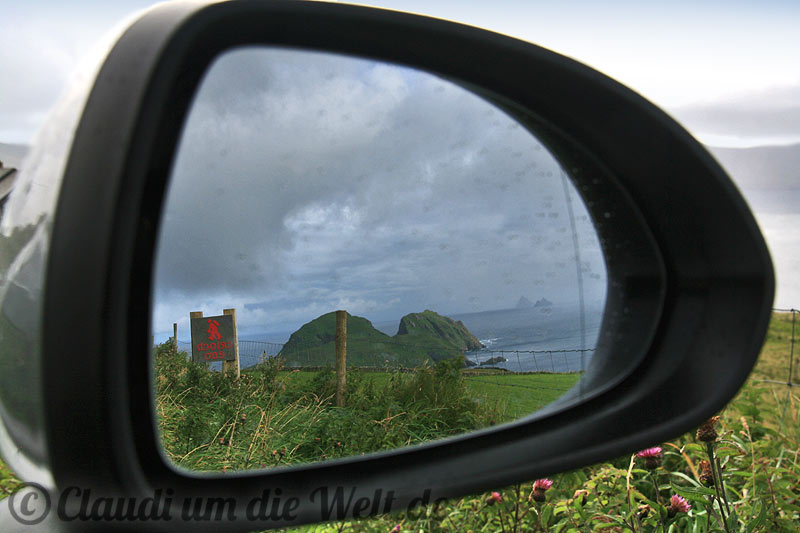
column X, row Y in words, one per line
column 273, row 417
column 514, row 395
column 520, row 394
column 303, row 381
column 288, row 419
column 8, row 482
column 773, row 362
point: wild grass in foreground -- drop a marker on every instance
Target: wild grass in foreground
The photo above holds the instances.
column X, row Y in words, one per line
column 270, row 417
column 736, row 473
column 8, row 482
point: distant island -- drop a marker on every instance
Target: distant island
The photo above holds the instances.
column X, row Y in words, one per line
column 421, row 337
column 524, row 303
column 432, row 324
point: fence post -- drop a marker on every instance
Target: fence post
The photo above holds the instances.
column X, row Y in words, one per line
column 196, row 314
column 791, row 352
column 341, row 357
column 175, row 335
column 233, row 365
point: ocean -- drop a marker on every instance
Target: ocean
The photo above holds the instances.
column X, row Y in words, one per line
column 531, row 339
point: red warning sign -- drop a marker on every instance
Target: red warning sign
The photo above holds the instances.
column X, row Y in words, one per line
column 213, row 339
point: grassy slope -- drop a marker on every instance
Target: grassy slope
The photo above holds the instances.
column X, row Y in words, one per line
column 521, row 394
column 314, row 345
column 432, row 324
column 410, row 351
column 322, row 330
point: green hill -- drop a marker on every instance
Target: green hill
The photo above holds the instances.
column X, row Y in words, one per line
column 421, row 337
column 429, row 323
column 322, row 330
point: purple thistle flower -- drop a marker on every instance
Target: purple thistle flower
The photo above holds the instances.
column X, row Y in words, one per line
column 539, row 488
column 651, row 456
column 655, row 451
column 678, row 505
column 496, row 497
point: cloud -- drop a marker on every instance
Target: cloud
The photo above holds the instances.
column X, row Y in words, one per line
column 21, row 108
column 770, row 116
column 309, row 182
column 44, row 45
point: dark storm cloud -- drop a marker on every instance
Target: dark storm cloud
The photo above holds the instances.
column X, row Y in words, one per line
column 308, row 182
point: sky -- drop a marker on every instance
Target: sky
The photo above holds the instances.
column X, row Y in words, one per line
column 712, row 64
column 725, row 69
column 377, row 189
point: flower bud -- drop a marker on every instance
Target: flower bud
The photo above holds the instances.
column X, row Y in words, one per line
column 495, row 497
column 581, row 495
column 706, row 432
column 706, row 474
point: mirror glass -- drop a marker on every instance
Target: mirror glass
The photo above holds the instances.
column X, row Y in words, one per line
column 467, row 270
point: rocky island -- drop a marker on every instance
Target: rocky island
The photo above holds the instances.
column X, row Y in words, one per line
column 421, row 337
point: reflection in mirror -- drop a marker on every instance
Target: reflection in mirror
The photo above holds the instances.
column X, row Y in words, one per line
column 469, row 272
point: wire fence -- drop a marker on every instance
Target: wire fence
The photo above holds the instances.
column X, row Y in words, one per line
column 251, row 353
column 528, row 379
column 792, row 378
column 519, row 373
column 369, row 354
column 773, row 369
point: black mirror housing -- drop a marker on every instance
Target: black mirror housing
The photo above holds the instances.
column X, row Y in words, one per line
column 690, row 278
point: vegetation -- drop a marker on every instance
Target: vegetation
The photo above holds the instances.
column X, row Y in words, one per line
column 429, row 323
column 774, row 361
column 322, row 330
column 752, row 485
column 8, row 482
column 422, row 337
column 519, row 394
column 737, row 473
column 273, row 417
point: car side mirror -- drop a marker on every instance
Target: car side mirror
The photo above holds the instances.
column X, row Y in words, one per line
column 687, row 302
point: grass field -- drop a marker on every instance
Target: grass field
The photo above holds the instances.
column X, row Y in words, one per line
column 519, row 395
column 210, row 423
column 275, row 417
column 514, row 395
column 774, row 360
